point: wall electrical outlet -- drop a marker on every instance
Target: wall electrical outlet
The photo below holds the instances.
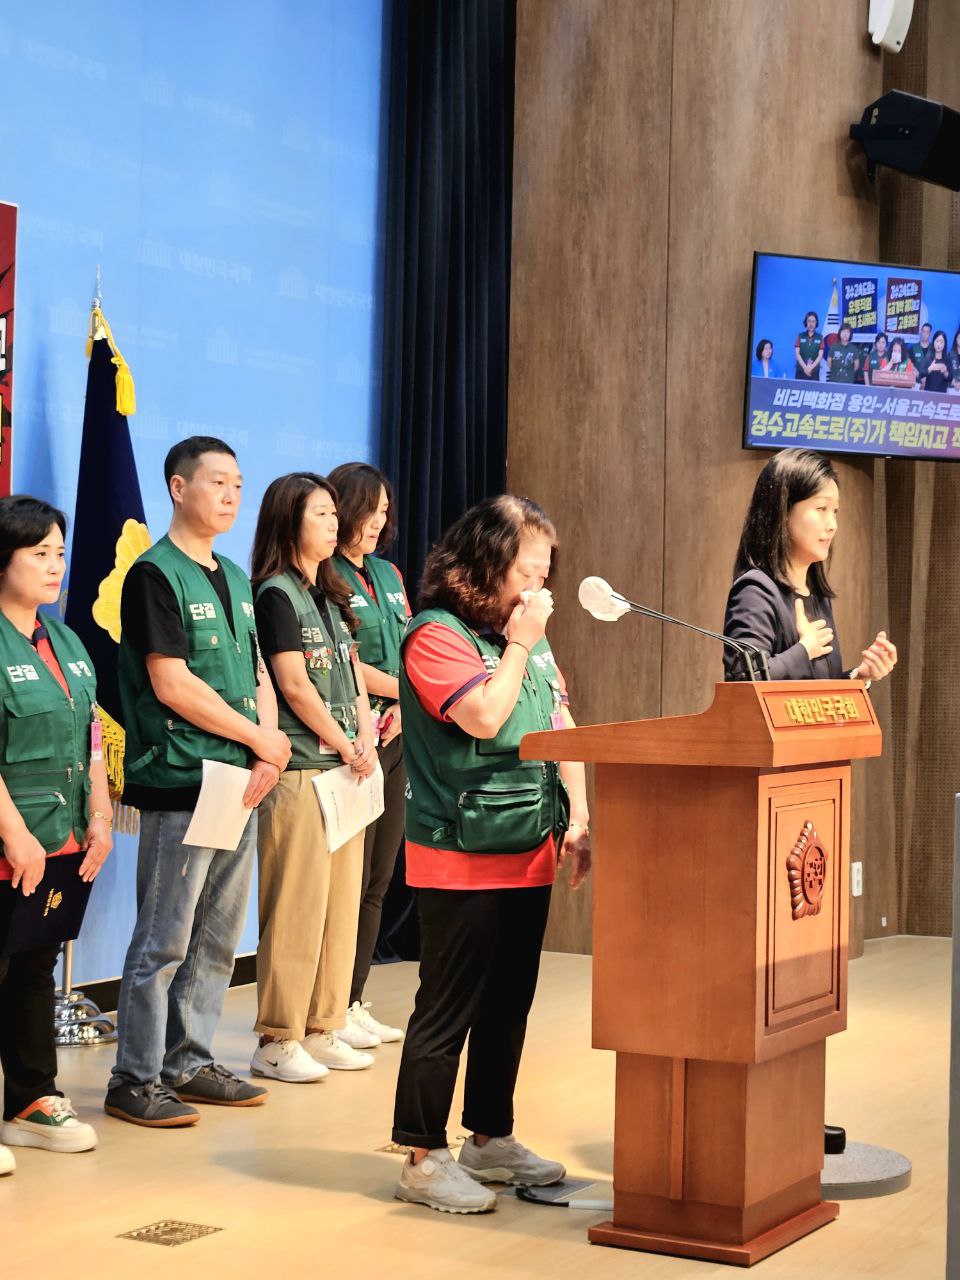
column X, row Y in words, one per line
column 883, row 922
column 856, row 879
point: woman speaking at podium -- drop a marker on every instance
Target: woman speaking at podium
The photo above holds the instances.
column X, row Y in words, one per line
column 780, row 598
column 482, row 832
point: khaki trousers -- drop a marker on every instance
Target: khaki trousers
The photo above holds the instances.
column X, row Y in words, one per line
column 309, row 900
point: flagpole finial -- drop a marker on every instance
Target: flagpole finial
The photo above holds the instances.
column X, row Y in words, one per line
column 97, row 294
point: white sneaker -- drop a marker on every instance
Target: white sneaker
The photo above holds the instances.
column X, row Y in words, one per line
column 359, row 1015
column 286, row 1060
column 440, row 1183
column 328, row 1048
column 506, row 1160
column 50, row 1123
column 355, row 1034
column 7, row 1162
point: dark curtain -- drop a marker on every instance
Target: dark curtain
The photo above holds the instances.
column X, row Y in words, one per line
column 446, row 285
column 447, row 273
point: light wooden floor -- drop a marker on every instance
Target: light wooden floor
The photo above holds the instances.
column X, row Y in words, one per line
column 299, row 1187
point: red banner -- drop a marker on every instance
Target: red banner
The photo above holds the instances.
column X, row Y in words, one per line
column 8, row 255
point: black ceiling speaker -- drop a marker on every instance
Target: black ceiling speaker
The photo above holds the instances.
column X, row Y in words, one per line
column 912, row 135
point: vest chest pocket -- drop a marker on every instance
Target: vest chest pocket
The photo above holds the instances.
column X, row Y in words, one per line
column 510, row 820
column 370, row 642
column 204, row 658
column 31, row 729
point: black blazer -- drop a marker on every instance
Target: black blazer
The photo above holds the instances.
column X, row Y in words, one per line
column 762, row 611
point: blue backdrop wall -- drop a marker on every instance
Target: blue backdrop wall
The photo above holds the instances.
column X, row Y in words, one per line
column 222, row 164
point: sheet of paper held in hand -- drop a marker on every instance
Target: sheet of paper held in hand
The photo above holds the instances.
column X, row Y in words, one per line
column 220, row 818
column 346, row 804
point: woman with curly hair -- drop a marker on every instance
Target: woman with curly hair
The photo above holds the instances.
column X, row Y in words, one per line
column 483, row 830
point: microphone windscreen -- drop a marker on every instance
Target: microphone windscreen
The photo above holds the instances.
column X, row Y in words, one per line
column 600, row 599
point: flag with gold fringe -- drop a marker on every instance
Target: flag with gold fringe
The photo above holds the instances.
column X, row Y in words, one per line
column 109, row 531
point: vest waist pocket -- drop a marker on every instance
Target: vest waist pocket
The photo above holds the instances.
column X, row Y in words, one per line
column 46, row 814
column 503, row 820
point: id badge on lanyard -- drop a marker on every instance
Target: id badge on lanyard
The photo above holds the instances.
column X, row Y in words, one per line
column 96, row 735
column 556, row 715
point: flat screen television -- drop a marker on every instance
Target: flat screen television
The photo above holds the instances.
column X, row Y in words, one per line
column 853, row 357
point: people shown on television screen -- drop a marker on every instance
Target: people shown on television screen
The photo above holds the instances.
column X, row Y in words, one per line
column 808, row 348
column 937, row 376
column 899, row 362
column 764, row 365
column 844, row 359
column 877, row 359
column 953, row 364
column 922, row 352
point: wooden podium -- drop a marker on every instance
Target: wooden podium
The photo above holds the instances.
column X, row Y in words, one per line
column 720, row 957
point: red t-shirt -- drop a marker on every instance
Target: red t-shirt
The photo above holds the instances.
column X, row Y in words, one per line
column 443, row 667
column 45, row 650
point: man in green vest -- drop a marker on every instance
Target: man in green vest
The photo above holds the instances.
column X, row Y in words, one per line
column 193, row 688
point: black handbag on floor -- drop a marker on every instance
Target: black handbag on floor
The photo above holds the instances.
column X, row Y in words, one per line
column 52, row 914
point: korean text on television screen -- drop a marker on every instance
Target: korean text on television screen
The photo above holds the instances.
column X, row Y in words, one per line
column 852, row 357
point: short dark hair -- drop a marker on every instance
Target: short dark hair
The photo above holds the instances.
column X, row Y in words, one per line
column 358, row 497
column 848, row 327
column 464, row 571
column 25, row 522
column 816, row 318
column 791, row 476
column 926, row 325
column 761, row 344
column 183, row 457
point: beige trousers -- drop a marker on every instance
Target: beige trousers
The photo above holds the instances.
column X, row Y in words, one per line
column 309, row 903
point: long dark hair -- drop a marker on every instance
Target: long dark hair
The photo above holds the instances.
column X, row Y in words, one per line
column 25, row 522
column 358, row 485
column 790, row 476
column 464, row 571
column 277, row 538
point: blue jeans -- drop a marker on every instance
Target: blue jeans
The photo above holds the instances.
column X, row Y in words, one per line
column 191, row 905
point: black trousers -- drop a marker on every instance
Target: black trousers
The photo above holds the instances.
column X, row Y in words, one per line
column 28, row 1050
column 381, row 845
column 480, row 956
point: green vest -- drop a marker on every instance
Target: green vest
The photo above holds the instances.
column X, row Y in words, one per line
column 163, row 749
column 326, row 652
column 476, row 795
column 45, row 735
column 381, row 621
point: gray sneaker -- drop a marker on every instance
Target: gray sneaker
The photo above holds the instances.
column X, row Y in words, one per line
column 217, row 1085
column 151, row 1104
column 440, row 1183
column 507, row 1160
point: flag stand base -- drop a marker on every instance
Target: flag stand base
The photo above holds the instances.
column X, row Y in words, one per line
column 77, row 1020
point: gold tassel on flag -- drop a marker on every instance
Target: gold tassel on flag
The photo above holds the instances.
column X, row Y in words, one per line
column 126, row 392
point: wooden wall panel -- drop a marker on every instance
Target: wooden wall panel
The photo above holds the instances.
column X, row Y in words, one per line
column 588, row 304
column 657, row 145
column 758, row 161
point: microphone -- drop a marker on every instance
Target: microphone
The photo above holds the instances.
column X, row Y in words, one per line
column 599, row 599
